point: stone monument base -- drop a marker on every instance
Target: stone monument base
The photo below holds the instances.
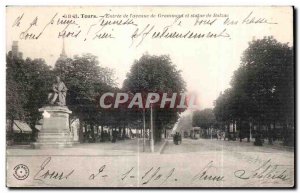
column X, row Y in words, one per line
column 55, row 130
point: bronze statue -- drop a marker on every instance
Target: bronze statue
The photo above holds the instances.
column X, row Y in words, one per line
column 58, row 94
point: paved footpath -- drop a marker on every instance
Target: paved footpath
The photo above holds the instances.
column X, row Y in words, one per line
column 206, row 145
column 194, row 163
column 121, row 148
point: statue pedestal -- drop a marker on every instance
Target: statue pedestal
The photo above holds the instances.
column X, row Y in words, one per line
column 55, row 130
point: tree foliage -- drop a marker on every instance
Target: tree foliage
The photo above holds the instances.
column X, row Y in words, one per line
column 87, row 80
column 262, row 88
column 26, row 82
column 29, row 81
column 204, row 119
column 155, row 74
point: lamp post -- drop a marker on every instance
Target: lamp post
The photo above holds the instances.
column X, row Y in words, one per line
column 151, row 127
column 144, row 130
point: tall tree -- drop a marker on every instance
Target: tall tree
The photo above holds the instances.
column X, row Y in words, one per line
column 262, row 89
column 204, row 118
column 159, row 75
column 27, row 86
column 270, row 69
column 86, row 80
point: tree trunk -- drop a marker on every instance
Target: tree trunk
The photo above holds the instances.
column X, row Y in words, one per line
column 34, row 132
column 120, row 132
column 85, row 132
column 11, row 132
column 240, row 127
column 97, row 131
column 101, row 134
column 248, row 131
column 270, row 134
column 92, row 132
column 80, row 133
column 274, row 131
column 258, row 139
column 124, row 132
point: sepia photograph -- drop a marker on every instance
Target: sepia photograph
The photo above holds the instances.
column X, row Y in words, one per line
column 150, row 97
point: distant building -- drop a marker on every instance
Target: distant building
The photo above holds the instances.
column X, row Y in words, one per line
column 15, row 51
column 60, row 62
column 63, row 54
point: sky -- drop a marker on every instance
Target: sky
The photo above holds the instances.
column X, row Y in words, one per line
column 207, row 64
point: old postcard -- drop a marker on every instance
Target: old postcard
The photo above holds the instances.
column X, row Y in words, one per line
column 150, row 96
